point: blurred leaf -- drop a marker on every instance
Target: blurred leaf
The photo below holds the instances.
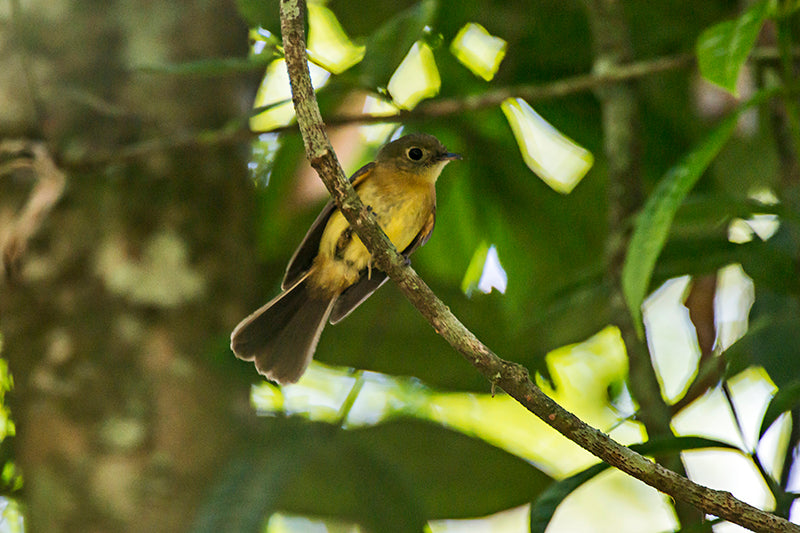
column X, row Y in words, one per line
column 391, row 477
column 775, row 267
column 258, row 13
column 387, row 46
column 473, row 274
column 478, row 50
column 771, row 340
column 341, row 477
column 416, row 78
column 698, row 242
column 484, row 272
column 248, row 490
column 723, row 48
column 275, row 96
column 328, row 44
column 786, row 399
column 454, row 475
column 700, row 255
column 307, row 468
column 662, row 446
column 545, row 506
column 556, row 159
column 704, row 526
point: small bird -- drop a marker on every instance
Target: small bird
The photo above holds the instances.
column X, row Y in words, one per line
column 331, row 272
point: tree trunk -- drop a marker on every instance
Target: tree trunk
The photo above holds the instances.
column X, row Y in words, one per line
column 115, row 312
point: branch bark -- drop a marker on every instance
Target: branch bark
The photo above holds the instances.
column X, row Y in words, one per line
column 509, row 376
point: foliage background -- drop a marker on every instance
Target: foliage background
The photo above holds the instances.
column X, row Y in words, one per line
column 133, row 415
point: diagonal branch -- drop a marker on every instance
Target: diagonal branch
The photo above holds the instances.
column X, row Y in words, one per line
column 511, row 377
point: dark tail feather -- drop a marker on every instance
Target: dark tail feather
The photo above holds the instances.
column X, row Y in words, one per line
column 282, row 335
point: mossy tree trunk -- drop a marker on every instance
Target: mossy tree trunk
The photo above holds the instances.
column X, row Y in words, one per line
column 115, row 314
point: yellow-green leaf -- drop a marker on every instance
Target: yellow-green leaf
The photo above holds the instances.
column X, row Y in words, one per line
column 478, row 50
column 556, row 159
column 416, row 78
column 328, row 44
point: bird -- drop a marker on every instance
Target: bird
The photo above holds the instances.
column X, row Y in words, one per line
column 331, row 272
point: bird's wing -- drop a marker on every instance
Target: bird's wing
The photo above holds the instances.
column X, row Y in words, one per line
column 304, row 255
column 423, row 235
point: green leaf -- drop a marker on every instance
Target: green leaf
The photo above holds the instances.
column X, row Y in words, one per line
column 723, row 48
column 544, row 508
column 249, row 487
column 258, row 13
column 390, row 477
column 678, row 444
column 786, row 399
column 475, row 269
column 390, row 43
column 453, row 475
column 653, row 223
column 546, row 504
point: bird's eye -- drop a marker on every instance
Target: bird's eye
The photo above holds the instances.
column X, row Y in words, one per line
column 415, row 154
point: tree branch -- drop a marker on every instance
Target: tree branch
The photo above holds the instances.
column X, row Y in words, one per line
column 240, row 130
column 47, row 191
column 511, row 377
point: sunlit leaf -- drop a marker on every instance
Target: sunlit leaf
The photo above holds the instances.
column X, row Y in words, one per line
column 328, row 44
column 786, row 399
column 11, row 477
column 764, row 225
column 760, row 224
column 474, row 269
column 556, row 159
column 545, row 506
column 478, row 50
column 484, row 272
column 543, row 509
column 274, row 89
column 378, row 107
column 723, row 48
column 13, row 516
column 388, row 44
column 416, row 78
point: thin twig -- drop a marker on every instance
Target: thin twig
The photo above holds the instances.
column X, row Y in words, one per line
column 432, row 109
column 441, row 107
column 509, row 376
column 50, row 182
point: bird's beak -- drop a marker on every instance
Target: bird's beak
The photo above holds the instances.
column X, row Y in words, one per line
column 449, row 157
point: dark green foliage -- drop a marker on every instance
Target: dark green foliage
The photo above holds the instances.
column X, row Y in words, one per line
column 390, row 477
column 696, row 175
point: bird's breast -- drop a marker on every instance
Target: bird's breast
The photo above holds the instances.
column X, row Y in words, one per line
column 402, row 210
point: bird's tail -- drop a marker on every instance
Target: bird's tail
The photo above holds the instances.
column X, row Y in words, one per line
column 282, row 335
